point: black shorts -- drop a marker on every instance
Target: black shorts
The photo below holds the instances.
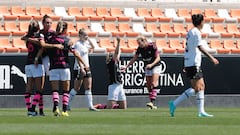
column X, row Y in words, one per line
column 194, row 72
column 78, row 75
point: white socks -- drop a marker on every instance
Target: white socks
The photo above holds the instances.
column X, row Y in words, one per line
column 72, row 93
column 88, row 94
column 200, row 101
column 186, row 94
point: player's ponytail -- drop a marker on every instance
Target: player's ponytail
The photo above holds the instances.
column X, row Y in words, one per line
column 32, row 28
column 61, row 27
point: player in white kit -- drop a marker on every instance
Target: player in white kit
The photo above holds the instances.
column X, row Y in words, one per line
column 82, row 75
column 192, row 67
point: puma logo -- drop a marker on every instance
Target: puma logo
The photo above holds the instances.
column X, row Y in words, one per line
column 18, row 72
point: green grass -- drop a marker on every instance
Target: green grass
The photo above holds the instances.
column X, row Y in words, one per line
column 133, row 121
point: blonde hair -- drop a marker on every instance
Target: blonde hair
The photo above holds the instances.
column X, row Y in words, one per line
column 61, row 27
column 141, row 38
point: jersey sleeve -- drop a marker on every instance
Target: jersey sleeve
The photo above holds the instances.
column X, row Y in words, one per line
column 198, row 39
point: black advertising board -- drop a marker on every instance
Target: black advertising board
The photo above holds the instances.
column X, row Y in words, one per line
column 221, row 79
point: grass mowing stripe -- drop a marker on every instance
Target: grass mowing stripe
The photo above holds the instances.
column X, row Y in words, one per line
column 139, row 121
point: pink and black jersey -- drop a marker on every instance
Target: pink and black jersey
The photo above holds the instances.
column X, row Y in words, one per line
column 33, row 50
column 47, row 36
column 59, row 57
column 148, row 53
column 114, row 72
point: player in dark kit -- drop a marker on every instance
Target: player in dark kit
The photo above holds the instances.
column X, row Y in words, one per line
column 151, row 59
column 116, row 94
column 60, row 68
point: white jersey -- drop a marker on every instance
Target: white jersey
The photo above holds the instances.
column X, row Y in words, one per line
column 82, row 48
column 192, row 55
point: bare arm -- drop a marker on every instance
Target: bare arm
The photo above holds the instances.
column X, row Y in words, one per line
column 80, row 60
column 154, row 62
column 39, row 54
column 46, row 45
column 214, row 60
column 116, row 56
column 131, row 62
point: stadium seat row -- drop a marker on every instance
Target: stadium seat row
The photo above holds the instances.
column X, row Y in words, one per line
column 117, row 14
column 134, row 29
column 103, row 45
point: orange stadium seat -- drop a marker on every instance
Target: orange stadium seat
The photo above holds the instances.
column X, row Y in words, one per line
column 124, row 46
column 179, row 28
column 230, row 44
column 106, row 43
column 232, row 28
column 132, row 44
column 6, row 13
column 20, row 44
column 18, row 11
column 111, row 27
column 6, row 46
column 152, row 27
column 196, row 11
column 103, row 12
column 238, row 44
column 216, row 44
column 13, row 28
column 3, row 32
column 157, row 12
column 76, row 11
column 32, row 11
column 166, row 28
column 189, row 26
column 219, row 28
column 212, row 15
column 183, row 12
column 143, row 12
column 72, row 30
column 176, row 44
column 87, row 29
column 163, row 45
column 90, row 12
column 199, row 11
column 23, row 26
column 117, row 12
column 126, row 28
column 45, row 10
column 235, row 13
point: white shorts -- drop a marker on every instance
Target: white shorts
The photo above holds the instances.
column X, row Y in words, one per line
column 59, row 74
column 33, row 71
column 46, row 64
column 155, row 70
column 116, row 92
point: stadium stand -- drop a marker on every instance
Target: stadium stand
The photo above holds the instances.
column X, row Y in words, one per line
column 33, row 11
column 143, row 12
column 76, row 11
column 49, row 11
column 117, row 12
column 157, row 23
column 90, row 12
column 152, row 27
column 111, row 27
column 103, row 12
column 61, row 11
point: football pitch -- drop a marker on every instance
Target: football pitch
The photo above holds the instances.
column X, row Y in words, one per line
column 133, row 121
